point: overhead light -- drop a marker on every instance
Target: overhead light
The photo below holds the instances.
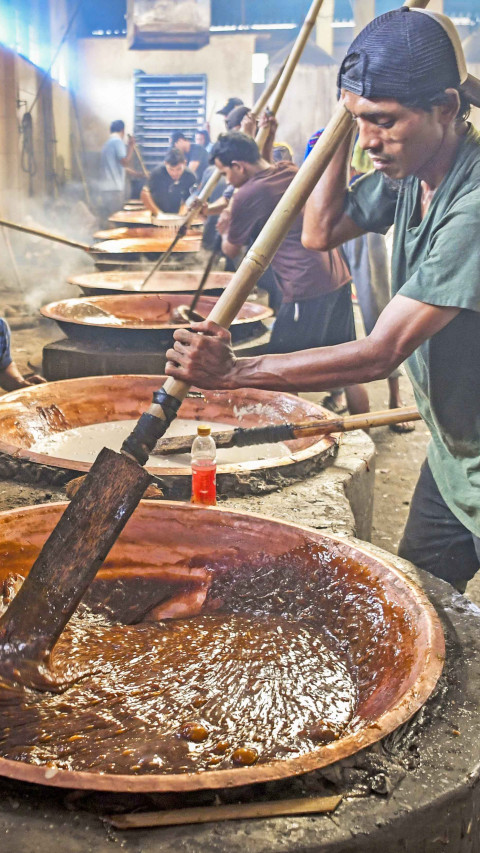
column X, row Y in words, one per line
column 238, row 28
column 259, row 66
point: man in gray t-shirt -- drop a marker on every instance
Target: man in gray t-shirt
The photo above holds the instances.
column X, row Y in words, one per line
column 116, row 157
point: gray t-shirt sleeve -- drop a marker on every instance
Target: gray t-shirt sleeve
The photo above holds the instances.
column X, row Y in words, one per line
column 5, row 356
column 120, row 148
column 450, row 274
column 371, row 203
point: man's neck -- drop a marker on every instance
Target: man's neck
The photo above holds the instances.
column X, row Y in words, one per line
column 260, row 166
column 434, row 170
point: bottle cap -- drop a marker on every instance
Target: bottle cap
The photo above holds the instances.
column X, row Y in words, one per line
column 203, row 429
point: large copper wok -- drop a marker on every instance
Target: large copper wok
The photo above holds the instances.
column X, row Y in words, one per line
column 140, row 231
column 134, row 249
column 393, row 634
column 37, row 413
column 163, row 281
column 132, row 218
column 142, row 318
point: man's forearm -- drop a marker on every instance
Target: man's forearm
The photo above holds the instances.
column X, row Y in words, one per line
column 312, row 370
column 148, row 201
column 216, row 207
column 325, row 206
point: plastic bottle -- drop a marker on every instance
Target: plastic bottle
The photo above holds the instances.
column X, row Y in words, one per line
column 204, row 468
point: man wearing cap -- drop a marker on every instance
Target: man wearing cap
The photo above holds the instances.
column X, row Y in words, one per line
column 402, row 83
column 195, row 155
column 229, row 106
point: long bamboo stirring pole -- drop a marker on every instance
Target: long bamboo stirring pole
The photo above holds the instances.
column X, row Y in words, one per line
column 290, row 65
column 276, row 87
column 49, row 235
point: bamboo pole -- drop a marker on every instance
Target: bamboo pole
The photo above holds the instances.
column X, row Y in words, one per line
column 290, row 66
column 209, row 187
column 140, row 160
column 235, row 811
column 269, row 89
column 48, row 235
column 272, row 235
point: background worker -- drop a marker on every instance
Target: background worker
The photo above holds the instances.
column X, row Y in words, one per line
column 316, row 304
column 229, row 105
column 115, row 159
column 195, row 155
column 10, row 376
column 169, row 185
column 400, row 81
column 202, row 138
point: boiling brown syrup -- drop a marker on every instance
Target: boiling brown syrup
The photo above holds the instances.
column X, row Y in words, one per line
column 271, row 669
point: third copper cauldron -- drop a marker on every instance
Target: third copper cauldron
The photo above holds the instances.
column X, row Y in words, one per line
column 208, row 564
column 142, row 319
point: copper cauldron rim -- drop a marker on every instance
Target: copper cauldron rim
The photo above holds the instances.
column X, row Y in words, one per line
column 315, row 445
column 412, row 700
column 94, row 280
column 50, row 311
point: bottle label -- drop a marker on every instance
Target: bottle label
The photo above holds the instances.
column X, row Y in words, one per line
column 204, row 484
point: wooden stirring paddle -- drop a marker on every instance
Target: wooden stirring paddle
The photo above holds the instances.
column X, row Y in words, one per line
column 247, row 436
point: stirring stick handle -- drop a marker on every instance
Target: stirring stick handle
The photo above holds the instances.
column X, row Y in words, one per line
column 217, row 248
column 48, row 235
column 241, row 437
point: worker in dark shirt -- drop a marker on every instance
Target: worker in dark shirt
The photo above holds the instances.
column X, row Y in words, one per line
column 195, row 155
column 316, row 305
column 169, row 185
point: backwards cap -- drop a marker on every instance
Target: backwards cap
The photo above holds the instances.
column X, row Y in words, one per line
column 405, row 54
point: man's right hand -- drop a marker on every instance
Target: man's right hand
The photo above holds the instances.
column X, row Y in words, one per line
column 203, row 357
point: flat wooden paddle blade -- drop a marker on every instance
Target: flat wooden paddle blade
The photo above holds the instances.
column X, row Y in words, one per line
column 71, row 556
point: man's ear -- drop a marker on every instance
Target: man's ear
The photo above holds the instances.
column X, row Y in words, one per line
column 449, row 109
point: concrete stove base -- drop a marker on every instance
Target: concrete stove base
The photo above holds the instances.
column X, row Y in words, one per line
column 70, row 359
column 418, row 791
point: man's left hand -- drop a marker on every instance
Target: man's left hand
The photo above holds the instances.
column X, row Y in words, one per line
column 248, row 125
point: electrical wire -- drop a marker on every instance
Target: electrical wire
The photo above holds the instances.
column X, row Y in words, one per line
column 27, row 159
column 28, row 162
column 61, row 43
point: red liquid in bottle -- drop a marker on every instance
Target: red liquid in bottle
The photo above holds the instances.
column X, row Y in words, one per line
column 204, row 483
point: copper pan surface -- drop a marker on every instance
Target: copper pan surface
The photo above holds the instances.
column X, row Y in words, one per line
column 131, row 248
column 393, row 634
column 131, row 218
column 137, row 231
column 163, row 281
column 136, row 318
column 140, row 231
column 35, row 414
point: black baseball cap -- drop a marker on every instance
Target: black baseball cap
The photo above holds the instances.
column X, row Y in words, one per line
column 405, row 54
column 229, row 106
